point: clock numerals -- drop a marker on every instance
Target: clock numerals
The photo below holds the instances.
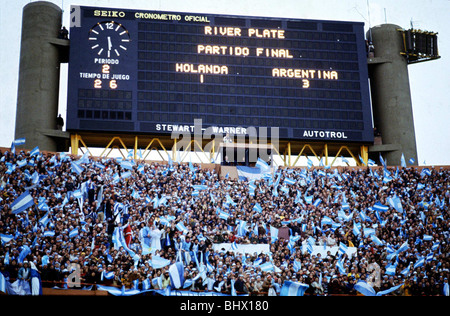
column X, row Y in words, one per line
column 109, row 39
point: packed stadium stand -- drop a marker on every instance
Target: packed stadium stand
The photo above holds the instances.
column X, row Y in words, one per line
column 129, row 227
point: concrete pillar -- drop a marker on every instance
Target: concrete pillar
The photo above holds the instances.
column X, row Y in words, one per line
column 391, row 96
column 39, row 70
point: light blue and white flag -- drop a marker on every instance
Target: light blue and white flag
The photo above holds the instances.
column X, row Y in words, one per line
column 273, row 234
column 396, row 203
column 383, row 162
column 403, row 247
column 24, row 201
column 158, row 262
column 425, row 172
column 380, row 207
column 242, row 228
column 125, row 164
column 326, row 221
column 403, row 161
column 223, row 215
column 390, row 269
column 34, row 151
column 356, row 228
column 19, row 141
column 344, row 217
column 108, row 275
column 176, row 273
column 262, row 165
column 135, row 195
column 342, row 248
column 309, row 163
column 340, row 266
column 364, row 288
column 290, row 288
column 22, row 163
column 73, row 233
column 2, row 283
column 49, row 233
column 200, row 187
column 118, row 292
column 6, row 238
column 406, row 271
column 297, row 265
column 376, row 240
column 43, row 206
column 392, row 289
column 180, row 226
column 289, row 181
column 76, row 168
column 257, row 207
column 126, row 175
column 419, row 263
column 229, row 200
column 435, row 246
column 317, row 202
column 25, row 251
column 266, row 266
column 249, row 173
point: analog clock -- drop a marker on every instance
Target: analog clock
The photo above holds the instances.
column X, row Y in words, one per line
column 109, row 39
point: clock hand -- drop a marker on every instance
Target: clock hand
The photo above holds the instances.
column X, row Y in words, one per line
column 109, row 43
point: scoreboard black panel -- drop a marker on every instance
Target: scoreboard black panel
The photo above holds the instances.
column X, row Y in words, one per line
column 156, row 72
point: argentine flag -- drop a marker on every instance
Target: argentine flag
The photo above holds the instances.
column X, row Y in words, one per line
column 19, row 141
column 223, row 215
column 364, row 288
column 176, row 273
column 289, row 181
column 6, row 238
column 180, row 226
column 309, row 163
column 290, row 288
column 257, row 207
column 262, row 165
column 126, row 165
column 317, row 202
column 376, row 240
column 380, row 207
column 24, row 252
column 158, row 262
column 24, row 201
column 34, row 151
column 76, row 168
column 108, row 275
column 273, row 234
column 2, row 283
column 73, row 233
column 49, row 233
column 403, row 161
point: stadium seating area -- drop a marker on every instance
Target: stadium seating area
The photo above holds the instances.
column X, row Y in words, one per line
column 122, row 223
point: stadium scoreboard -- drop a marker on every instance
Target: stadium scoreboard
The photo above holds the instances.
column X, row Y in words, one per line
column 155, row 72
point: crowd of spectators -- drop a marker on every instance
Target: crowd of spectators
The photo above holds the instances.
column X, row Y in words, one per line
column 147, row 201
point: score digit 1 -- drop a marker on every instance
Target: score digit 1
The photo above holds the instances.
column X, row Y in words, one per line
column 105, row 75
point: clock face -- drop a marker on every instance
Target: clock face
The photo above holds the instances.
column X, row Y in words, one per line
column 109, row 39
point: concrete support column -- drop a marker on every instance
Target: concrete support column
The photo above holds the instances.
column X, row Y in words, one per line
column 391, row 96
column 39, row 71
